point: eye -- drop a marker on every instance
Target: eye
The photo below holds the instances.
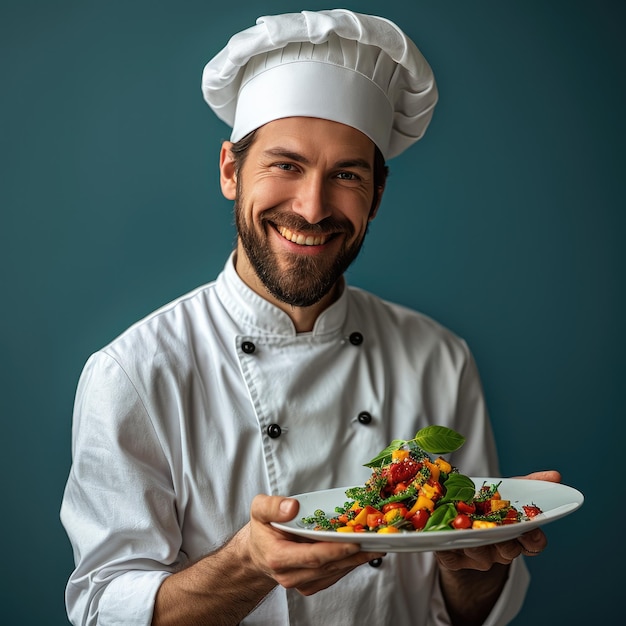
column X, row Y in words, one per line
column 285, row 167
column 348, row 176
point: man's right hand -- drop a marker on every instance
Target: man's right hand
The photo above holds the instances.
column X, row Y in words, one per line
column 294, row 562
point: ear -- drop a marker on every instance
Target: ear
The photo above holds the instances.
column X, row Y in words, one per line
column 379, row 196
column 228, row 175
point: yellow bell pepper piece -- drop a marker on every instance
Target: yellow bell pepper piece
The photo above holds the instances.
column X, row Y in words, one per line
column 388, row 529
column 496, row 505
column 361, row 517
column 434, row 469
column 392, row 515
column 428, row 491
column 481, row 523
column 443, row 465
column 422, row 502
column 399, row 455
column 345, row 529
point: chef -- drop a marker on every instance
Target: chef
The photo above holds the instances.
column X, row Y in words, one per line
column 193, row 427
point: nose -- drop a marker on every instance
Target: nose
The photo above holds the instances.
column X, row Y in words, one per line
column 311, row 199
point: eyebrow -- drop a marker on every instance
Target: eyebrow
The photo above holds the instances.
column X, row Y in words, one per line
column 285, row 153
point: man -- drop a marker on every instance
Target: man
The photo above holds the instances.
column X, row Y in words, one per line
column 192, row 427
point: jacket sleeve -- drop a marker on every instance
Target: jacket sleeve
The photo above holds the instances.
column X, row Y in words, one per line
column 118, row 508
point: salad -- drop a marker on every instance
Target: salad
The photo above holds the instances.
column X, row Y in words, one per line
column 413, row 488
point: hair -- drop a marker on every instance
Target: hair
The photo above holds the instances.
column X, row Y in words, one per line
column 381, row 170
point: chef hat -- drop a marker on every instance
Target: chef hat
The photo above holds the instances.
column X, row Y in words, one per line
column 356, row 69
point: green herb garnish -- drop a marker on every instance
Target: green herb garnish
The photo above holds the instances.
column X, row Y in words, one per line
column 433, row 439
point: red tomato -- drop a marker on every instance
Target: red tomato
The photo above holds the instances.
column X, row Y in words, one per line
column 393, row 505
column 403, row 471
column 374, row 520
column 484, row 507
column 532, row 510
column 465, row 507
column 420, row 518
column 511, row 516
column 461, row 521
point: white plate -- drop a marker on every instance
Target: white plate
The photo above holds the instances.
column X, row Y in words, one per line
column 554, row 499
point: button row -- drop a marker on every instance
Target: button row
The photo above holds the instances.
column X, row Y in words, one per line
column 355, row 338
column 275, row 430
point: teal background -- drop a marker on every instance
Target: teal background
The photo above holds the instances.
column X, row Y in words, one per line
column 505, row 223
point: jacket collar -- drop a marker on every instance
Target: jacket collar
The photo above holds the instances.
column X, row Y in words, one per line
column 260, row 315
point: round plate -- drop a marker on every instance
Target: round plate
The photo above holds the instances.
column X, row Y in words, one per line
column 554, row 499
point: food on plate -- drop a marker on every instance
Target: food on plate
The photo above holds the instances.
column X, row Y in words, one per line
column 413, row 488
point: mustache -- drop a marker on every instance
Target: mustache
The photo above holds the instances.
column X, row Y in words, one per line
column 292, row 221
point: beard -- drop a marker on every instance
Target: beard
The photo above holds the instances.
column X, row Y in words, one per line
column 299, row 280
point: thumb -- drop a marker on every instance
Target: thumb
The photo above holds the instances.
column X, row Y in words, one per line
column 273, row 508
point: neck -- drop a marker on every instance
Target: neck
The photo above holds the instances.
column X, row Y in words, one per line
column 304, row 318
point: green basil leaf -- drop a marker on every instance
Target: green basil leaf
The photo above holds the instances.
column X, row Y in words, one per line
column 384, row 457
column 458, row 488
column 439, row 439
column 441, row 517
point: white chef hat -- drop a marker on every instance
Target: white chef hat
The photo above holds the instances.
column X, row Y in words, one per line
column 356, row 69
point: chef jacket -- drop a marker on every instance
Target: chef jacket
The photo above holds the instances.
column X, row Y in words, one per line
column 214, row 398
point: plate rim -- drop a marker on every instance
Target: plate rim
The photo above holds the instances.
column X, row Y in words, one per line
column 441, row 539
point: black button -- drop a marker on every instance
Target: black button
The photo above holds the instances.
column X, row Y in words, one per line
column 364, row 417
column 356, row 339
column 274, row 430
column 248, row 347
column 376, row 562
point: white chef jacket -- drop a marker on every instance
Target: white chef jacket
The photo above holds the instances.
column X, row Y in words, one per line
column 170, row 444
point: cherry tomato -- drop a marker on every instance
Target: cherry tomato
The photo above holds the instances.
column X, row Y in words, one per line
column 393, row 505
column 420, row 518
column 484, row 507
column 531, row 510
column 466, row 507
column 461, row 521
column 374, row 520
column 512, row 516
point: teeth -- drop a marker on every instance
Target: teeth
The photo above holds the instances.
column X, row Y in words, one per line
column 301, row 240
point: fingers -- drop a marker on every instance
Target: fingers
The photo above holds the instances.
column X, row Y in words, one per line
column 533, row 543
column 482, row 558
column 314, row 575
column 288, row 554
column 309, row 587
column 528, row 544
column 551, row 476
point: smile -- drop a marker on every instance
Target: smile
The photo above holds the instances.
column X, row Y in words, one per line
column 302, row 240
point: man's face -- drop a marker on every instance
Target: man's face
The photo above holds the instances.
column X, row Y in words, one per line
column 303, row 201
